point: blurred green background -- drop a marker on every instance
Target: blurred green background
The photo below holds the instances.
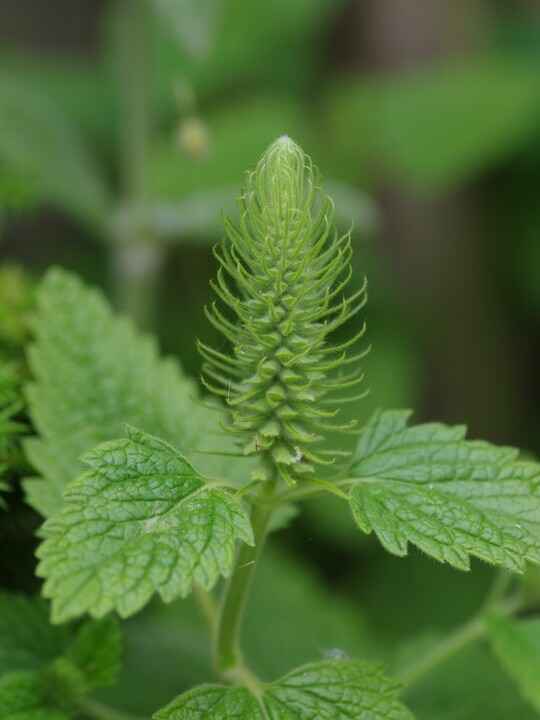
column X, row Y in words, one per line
column 125, row 129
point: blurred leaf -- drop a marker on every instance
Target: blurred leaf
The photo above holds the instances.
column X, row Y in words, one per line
column 190, row 194
column 93, row 373
column 517, row 646
column 15, row 194
column 237, row 135
column 352, row 206
column 64, row 667
column 80, row 88
column 23, row 696
column 437, row 126
column 470, row 685
column 168, row 646
column 351, row 124
column 27, row 639
column 311, row 620
column 44, row 148
column 197, row 217
column 97, row 650
column 449, row 123
column 271, row 45
column 194, row 23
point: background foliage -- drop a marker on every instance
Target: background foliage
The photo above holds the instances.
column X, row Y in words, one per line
column 425, row 121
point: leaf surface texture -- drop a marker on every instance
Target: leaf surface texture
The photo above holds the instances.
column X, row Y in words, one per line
column 92, row 373
column 452, row 498
column 139, row 521
column 334, row 690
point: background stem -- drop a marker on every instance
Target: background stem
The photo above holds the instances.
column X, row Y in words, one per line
column 467, row 633
column 136, row 257
column 99, row 711
column 444, row 650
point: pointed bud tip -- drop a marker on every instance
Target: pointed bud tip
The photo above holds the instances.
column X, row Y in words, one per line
column 284, row 152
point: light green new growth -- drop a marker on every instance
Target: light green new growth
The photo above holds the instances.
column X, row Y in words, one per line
column 92, row 373
column 140, row 521
column 450, row 497
column 289, row 270
column 333, row 690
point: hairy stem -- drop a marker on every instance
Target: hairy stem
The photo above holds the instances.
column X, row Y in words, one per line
column 227, row 654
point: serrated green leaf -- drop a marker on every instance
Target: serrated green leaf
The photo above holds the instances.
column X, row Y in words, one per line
column 516, row 643
column 97, row 651
column 334, row 690
column 93, row 373
column 452, row 498
column 140, row 521
column 27, row 639
column 23, row 697
column 41, row 146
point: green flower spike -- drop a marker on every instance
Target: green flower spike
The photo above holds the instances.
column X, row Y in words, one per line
column 290, row 268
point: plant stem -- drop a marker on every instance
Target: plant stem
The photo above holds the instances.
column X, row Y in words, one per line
column 227, row 654
column 99, row 711
column 502, row 582
column 444, row 650
column 136, row 258
column 466, row 634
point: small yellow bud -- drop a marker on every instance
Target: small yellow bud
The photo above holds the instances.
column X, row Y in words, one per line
column 192, row 139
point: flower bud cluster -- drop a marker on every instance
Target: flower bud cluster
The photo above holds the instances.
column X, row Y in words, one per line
column 289, row 268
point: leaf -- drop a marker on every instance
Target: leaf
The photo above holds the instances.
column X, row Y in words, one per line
column 168, row 646
column 41, row 146
column 193, row 24
column 468, row 686
column 333, row 690
column 517, row 646
column 140, row 521
column 97, row 650
column 445, row 124
column 437, row 126
column 23, row 697
column 237, row 135
column 272, row 45
column 27, row 639
column 3, row 488
column 450, row 497
column 93, row 373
